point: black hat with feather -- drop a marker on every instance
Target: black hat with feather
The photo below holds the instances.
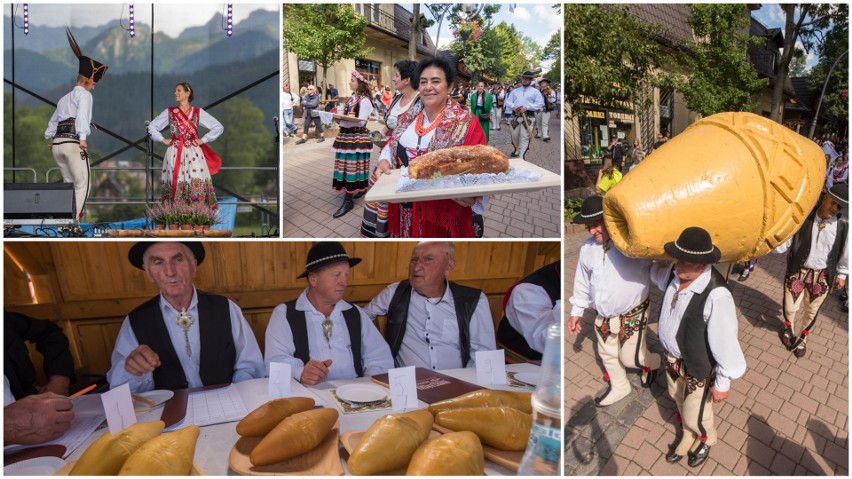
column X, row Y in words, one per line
column 89, row 68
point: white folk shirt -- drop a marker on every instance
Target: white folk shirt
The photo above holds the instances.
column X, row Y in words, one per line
column 432, row 333
column 821, row 244
column 288, row 99
column 610, row 283
column 76, row 104
column 530, row 311
column 280, row 347
column 720, row 314
column 529, row 97
column 204, row 119
column 248, row 363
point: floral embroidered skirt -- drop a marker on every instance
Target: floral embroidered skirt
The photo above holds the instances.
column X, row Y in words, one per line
column 352, row 149
column 193, row 183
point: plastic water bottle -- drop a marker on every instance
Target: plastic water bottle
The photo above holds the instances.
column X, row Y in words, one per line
column 544, row 451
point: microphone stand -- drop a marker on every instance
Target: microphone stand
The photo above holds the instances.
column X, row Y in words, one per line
column 277, row 142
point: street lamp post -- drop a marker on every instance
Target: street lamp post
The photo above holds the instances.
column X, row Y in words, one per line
column 824, row 86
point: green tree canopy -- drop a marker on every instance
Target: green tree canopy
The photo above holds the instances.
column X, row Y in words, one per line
column 835, row 103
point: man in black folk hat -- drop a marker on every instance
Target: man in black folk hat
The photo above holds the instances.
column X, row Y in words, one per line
column 525, row 102
column 616, row 287
column 183, row 337
column 319, row 334
column 68, row 128
column 698, row 329
column 817, row 260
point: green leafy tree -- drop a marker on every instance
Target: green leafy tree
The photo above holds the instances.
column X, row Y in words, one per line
column 325, row 33
column 552, row 52
column 512, row 58
column 31, row 149
column 799, row 64
column 720, row 77
column 835, row 103
column 243, row 144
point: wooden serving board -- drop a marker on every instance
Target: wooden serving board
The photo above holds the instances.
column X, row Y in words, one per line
column 350, row 440
column 66, row 469
column 140, row 233
column 508, row 459
column 385, row 187
column 323, row 460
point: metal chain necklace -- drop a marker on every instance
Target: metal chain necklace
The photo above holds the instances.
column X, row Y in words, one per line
column 184, row 320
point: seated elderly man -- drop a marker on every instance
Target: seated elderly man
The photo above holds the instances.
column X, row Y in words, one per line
column 183, row 337
column 432, row 322
column 319, row 334
column 528, row 313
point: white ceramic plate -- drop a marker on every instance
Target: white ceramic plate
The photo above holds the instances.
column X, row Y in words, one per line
column 361, row 393
column 528, row 378
column 157, row 396
column 37, row 466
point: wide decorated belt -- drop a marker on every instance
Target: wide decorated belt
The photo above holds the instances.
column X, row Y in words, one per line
column 634, row 314
column 67, row 129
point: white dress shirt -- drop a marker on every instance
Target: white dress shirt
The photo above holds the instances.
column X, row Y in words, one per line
column 248, row 363
column 280, row 347
column 204, row 119
column 720, row 314
column 76, row 104
column 821, row 244
column 288, row 99
column 529, row 97
column 530, row 311
column 365, row 108
column 610, row 283
column 8, row 397
column 432, row 331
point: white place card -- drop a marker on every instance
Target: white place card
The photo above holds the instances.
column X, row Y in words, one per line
column 118, row 407
column 279, row 380
column 491, row 367
column 403, row 387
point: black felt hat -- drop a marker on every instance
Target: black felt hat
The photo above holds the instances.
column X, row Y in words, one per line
column 527, row 74
column 89, row 68
column 591, row 211
column 545, row 80
column 694, row 245
column 325, row 253
column 840, row 193
column 137, row 251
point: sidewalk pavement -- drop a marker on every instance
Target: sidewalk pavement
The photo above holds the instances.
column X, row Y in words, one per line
column 786, row 416
column 309, row 200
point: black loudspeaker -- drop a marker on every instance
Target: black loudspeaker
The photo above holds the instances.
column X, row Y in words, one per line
column 38, row 201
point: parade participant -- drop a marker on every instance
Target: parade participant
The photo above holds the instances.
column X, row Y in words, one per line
column 319, row 334
column 188, row 163
column 288, row 101
column 616, row 287
column 352, row 147
column 524, row 102
column 480, row 106
column 374, row 223
column 434, row 323
column 543, row 118
column 838, row 172
column 310, row 102
column 50, row 341
column 817, row 258
column 499, row 96
column 698, row 330
column 182, row 338
column 428, row 125
column 528, row 313
column 68, row 127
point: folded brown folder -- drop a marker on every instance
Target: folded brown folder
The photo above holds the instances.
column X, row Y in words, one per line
column 433, row 386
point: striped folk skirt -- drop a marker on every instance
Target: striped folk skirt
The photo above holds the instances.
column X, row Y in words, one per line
column 352, row 150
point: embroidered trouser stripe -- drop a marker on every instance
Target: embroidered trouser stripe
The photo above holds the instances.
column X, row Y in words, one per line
column 793, row 303
column 633, row 353
column 696, row 411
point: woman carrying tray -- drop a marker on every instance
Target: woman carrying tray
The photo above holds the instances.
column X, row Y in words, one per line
column 429, row 125
column 353, row 146
column 188, row 162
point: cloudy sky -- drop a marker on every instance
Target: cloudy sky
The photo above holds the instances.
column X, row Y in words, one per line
column 171, row 19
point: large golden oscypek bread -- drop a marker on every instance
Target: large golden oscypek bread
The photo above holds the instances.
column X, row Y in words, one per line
column 459, row 160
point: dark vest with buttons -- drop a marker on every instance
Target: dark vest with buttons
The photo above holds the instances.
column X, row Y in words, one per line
column 465, row 300
column 692, row 333
column 218, row 352
column 299, row 328
column 801, row 247
column 548, row 278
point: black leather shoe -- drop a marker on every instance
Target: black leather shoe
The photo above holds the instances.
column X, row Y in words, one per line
column 359, row 194
column 301, row 141
column 787, row 338
column 321, row 139
column 698, row 457
column 672, row 458
column 546, row 140
column 514, row 154
column 744, row 274
column 800, row 351
column 346, row 207
column 844, row 296
column 651, row 377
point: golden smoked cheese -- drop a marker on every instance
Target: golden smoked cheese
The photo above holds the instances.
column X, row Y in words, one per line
column 453, row 454
column 390, row 442
column 170, row 454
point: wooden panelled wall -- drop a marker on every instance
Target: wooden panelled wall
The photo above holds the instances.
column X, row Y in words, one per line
column 88, row 287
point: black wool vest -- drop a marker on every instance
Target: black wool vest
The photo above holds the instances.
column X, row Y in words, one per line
column 465, row 300
column 218, row 352
column 508, row 337
column 299, row 328
column 801, row 247
column 692, row 333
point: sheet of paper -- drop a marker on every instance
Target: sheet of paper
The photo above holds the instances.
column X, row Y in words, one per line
column 118, row 407
column 403, row 387
column 279, row 380
column 491, row 367
column 217, row 406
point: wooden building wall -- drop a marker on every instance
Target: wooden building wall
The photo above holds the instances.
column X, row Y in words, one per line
column 88, row 287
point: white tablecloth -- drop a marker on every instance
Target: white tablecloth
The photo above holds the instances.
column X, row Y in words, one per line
column 215, row 442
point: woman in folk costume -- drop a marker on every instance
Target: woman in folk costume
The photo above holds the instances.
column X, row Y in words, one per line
column 353, row 146
column 429, row 125
column 188, row 162
column 480, row 105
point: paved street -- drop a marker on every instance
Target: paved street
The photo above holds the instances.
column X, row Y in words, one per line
column 309, row 200
column 786, row 416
